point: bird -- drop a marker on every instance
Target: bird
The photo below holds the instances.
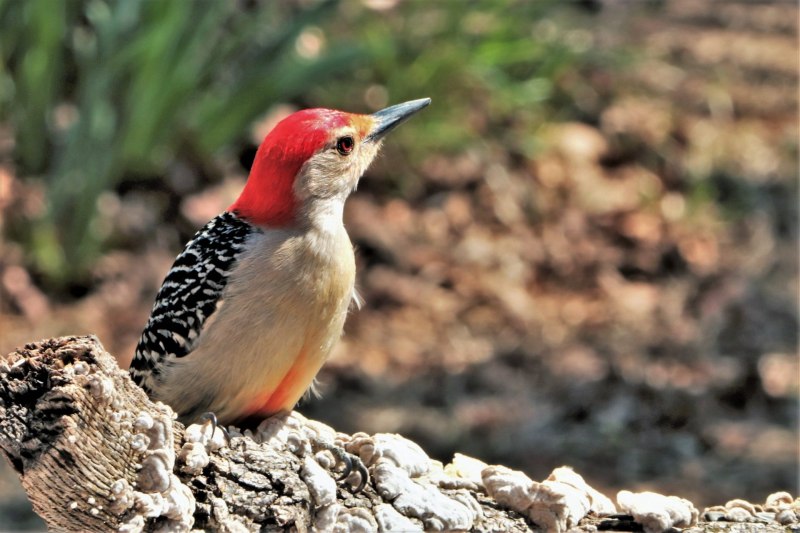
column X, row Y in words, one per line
column 255, row 303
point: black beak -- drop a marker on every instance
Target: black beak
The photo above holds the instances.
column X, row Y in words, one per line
column 388, row 119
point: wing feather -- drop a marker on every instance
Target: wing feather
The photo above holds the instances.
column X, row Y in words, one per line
column 189, row 295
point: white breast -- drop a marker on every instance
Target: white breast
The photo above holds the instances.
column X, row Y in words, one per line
column 282, row 312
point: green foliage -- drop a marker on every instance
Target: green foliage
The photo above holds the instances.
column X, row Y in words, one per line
column 101, row 91
column 98, row 90
column 495, row 61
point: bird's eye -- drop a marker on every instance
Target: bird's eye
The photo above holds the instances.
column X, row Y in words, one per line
column 344, row 145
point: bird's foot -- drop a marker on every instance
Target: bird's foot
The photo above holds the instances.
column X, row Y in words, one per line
column 211, row 418
column 352, row 463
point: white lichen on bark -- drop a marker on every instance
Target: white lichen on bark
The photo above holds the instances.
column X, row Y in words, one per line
column 656, row 512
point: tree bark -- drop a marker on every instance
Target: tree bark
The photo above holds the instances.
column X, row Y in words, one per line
column 94, row 453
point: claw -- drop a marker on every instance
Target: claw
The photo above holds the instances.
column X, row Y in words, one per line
column 364, row 473
column 211, row 418
column 348, row 467
column 351, row 462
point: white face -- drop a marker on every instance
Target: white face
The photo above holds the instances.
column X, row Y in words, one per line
column 333, row 172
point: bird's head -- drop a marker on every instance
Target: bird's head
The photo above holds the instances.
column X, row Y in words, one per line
column 310, row 161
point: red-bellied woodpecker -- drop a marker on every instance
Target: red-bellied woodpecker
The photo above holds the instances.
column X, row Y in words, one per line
column 254, row 304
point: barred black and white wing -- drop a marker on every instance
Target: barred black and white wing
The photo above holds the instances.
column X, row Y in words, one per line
column 189, row 296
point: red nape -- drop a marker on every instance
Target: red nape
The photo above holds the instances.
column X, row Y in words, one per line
column 268, row 198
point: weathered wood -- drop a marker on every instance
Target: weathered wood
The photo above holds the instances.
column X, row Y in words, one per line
column 95, row 454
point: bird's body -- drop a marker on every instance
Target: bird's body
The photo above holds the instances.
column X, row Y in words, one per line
column 288, row 300
column 255, row 303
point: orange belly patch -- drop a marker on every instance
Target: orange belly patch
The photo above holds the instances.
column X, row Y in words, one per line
column 288, row 392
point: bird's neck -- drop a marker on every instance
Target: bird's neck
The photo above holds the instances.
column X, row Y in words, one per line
column 324, row 216
column 319, row 222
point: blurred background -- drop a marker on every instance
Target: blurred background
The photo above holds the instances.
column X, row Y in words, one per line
column 584, row 252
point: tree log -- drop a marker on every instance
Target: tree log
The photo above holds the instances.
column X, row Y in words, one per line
column 95, row 454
